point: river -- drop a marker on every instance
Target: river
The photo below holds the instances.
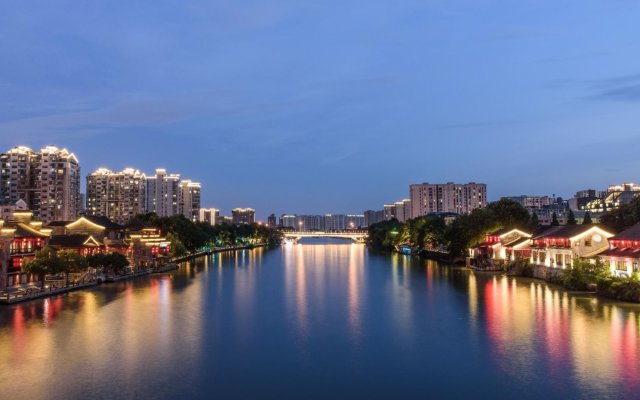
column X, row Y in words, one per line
column 320, row 320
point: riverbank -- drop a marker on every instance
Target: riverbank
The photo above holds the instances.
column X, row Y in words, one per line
column 214, row 250
column 33, row 293
column 608, row 287
column 18, row 295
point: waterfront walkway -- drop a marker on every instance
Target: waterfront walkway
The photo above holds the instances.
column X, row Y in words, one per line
column 27, row 292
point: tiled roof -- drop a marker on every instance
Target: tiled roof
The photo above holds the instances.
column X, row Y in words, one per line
column 25, row 231
column 69, row 241
column 518, row 242
column 624, row 252
column 632, row 233
column 103, row 221
column 566, row 231
column 58, row 223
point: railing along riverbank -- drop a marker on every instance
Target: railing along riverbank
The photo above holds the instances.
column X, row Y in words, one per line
column 32, row 292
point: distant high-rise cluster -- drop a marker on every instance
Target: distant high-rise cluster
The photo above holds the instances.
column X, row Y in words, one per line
column 48, row 181
column 122, row 195
column 327, row 222
column 450, row 197
column 432, row 199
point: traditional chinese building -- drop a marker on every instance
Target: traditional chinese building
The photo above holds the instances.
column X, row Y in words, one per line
column 148, row 247
column 623, row 255
column 20, row 238
column 558, row 246
column 505, row 244
column 89, row 235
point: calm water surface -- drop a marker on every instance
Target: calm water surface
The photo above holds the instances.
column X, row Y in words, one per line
column 320, row 321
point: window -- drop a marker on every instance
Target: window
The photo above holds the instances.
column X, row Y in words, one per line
column 587, row 242
column 559, row 259
column 621, row 266
column 636, row 268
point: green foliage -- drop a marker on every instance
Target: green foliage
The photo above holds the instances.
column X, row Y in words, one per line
column 571, row 218
column 626, row 289
column 188, row 236
column 623, row 217
column 109, row 262
column 554, row 220
column 587, row 219
column 45, row 262
column 384, row 235
column 584, row 273
column 465, row 231
column 72, row 262
column 535, row 222
column 469, row 230
column 521, row 267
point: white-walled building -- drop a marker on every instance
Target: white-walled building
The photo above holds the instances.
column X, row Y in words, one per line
column 558, row 246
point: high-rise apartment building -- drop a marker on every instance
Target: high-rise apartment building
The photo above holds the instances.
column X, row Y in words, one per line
column 118, row 196
column 373, row 217
column 189, row 199
column 48, row 181
column 272, row 222
column 355, row 221
column 389, row 211
column 209, row 215
column 163, row 191
column 288, row 220
column 243, row 216
column 447, row 198
column 403, row 210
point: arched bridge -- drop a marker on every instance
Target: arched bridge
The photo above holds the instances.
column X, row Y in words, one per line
column 356, row 236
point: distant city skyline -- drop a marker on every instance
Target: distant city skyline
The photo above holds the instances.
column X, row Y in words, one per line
column 298, row 107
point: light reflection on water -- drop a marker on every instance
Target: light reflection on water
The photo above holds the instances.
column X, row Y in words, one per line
column 320, row 321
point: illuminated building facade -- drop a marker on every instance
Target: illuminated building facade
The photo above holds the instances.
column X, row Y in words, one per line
column 403, row 210
column 118, row 196
column 209, row 215
column 189, row 199
column 449, row 197
column 243, row 216
column 48, row 181
column 558, row 246
column 20, row 238
column 623, row 256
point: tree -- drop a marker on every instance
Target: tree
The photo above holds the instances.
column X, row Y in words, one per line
column 108, row 262
column 587, row 219
column 509, row 213
column 571, row 218
column 535, row 222
column 71, row 262
column 45, row 262
column 623, row 217
column 554, row 220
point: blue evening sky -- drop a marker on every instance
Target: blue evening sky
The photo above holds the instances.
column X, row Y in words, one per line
column 330, row 106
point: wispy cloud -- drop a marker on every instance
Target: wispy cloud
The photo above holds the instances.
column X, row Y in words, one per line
column 621, row 88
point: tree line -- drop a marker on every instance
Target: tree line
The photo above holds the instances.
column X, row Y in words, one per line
column 187, row 236
column 48, row 261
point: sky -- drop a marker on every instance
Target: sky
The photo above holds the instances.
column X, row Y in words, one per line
column 330, row 106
